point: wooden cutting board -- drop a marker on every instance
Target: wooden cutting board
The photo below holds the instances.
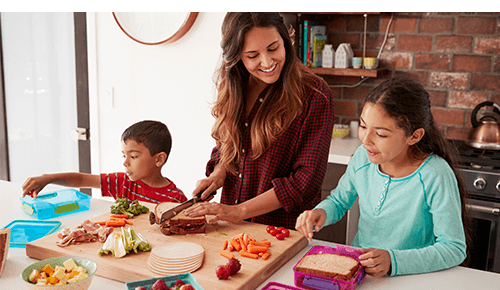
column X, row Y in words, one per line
column 134, row 267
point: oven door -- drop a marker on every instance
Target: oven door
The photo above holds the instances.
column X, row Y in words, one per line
column 484, row 253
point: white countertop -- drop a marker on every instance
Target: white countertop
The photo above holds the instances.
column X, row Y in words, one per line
column 342, row 149
column 455, row 278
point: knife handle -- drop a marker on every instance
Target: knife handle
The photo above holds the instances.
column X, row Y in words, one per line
column 198, row 196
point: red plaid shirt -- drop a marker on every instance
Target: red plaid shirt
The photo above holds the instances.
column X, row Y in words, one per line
column 294, row 165
column 118, row 185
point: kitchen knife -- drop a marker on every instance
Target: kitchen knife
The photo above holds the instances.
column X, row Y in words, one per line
column 176, row 210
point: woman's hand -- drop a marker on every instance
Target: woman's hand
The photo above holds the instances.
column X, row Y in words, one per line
column 221, row 212
column 33, row 185
column 210, row 184
column 376, row 261
column 308, row 219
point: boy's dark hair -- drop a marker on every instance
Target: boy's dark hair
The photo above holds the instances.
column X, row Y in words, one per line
column 153, row 134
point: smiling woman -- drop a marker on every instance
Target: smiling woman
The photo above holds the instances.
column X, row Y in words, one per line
column 273, row 125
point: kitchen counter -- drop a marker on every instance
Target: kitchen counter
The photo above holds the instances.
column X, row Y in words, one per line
column 342, row 149
column 455, row 278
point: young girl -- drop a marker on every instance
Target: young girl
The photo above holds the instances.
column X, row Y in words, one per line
column 410, row 194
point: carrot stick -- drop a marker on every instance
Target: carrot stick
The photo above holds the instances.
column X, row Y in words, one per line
column 230, row 247
column 120, row 216
column 115, row 223
column 243, row 245
column 245, row 239
column 226, row 254
column 257, row 249
column 101, row 223
column 265, row 241
column 236, row 244
column 266, row 255
column 224, row 245
column 250, row 238
column 248, row 255
column 128, row 222
column 254, row 243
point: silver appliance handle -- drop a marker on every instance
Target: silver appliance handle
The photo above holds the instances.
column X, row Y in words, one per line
column 484, row 209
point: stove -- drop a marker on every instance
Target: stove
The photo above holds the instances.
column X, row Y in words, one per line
column 481, row 173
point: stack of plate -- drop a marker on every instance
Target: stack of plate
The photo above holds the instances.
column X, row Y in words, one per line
column 175, row 258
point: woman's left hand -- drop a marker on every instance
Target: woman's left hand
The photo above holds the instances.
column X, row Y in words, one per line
column 377, row 262
column 221, row 212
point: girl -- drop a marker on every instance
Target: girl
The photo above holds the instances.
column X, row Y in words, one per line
column 411, row 198
column 273, row 125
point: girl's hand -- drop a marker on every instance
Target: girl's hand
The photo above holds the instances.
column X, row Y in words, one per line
column 376, row 261
column 308, row 219
column 221, row 212
column 33, row 185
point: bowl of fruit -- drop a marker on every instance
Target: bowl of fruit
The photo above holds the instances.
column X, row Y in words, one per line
column 60, row 273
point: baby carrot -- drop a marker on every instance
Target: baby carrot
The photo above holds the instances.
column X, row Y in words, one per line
column 266, row 255
column 265, row 241
column 115, row 223
column 236, row 244
column 224, row 245
column 257, row 249
column 120, row 216
column 254, row 243
column 242, row 243
column 248, row 255
column 230, row 247
column 128, row 222
column 226, row 254
column 101, row 223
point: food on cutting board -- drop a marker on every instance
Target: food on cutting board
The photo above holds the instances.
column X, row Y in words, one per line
column 69, row 274
column 116, row 220
column 174, row 258
column 329, row 265
column 4, row 247
column 124, row 242
column 280, row 232
column 87, row 232
column 222, row 272
column 180, row 224
column 247, row 247
column 122, row 206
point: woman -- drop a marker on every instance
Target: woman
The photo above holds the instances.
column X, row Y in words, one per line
column 273, row 125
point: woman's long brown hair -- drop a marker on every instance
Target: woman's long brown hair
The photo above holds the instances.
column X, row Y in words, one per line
column 284, row 100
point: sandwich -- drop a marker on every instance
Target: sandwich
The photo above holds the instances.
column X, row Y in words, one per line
column 180, row 224
column 4, row 247
column 335, row 266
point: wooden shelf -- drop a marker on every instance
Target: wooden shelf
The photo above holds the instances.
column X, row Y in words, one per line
column 345, row 72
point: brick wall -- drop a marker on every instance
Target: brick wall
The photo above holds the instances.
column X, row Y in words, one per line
column 455, row 56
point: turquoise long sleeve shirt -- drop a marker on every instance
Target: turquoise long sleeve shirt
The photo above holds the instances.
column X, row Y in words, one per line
column 416, row 218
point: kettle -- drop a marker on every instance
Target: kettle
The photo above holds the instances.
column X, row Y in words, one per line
column 485, row 133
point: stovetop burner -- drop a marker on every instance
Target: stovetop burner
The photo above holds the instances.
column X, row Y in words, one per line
column 478, row 158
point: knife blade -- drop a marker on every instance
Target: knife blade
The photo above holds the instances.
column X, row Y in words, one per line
column 177, row 209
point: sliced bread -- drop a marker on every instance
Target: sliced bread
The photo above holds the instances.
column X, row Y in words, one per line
column 329, row 265
column 4, row 247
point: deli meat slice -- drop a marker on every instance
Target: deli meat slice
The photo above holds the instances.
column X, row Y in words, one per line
column 87, row 232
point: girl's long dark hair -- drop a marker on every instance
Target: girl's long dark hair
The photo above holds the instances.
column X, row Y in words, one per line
column 408, row 103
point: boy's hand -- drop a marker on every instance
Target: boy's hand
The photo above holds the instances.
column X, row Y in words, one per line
column 377, row 262
column 33, row 185
column 308, row 219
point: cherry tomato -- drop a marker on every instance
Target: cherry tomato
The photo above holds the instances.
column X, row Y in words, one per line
column 280, row 229
column 280, row 236
column 269, row 228
column 273, row 232
column 285, row 232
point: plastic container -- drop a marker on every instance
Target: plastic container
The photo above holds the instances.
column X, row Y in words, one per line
column 278, row 286
column 57, row 203
column 188, row 278
column 25, row 231
column 311, row 281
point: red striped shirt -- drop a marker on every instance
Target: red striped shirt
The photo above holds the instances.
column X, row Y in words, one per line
column 118, row 185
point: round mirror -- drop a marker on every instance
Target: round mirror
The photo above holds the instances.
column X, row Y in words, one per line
column 155, row 27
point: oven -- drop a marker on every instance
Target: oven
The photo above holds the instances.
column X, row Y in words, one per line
column 481, row 172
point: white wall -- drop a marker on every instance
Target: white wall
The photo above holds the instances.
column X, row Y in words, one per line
column 172, row 83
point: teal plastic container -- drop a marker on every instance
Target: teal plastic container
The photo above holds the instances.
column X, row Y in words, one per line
column 57, row 203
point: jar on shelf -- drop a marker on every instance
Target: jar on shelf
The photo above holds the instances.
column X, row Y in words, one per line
column 328, row 55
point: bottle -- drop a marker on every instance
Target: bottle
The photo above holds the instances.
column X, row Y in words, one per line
column 328, row 55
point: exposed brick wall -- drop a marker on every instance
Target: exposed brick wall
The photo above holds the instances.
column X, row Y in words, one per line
column 455, row 56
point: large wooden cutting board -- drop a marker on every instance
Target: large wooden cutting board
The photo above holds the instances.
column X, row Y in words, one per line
column 133, row 267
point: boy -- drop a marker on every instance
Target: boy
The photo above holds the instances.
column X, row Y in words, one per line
column 145, row 147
